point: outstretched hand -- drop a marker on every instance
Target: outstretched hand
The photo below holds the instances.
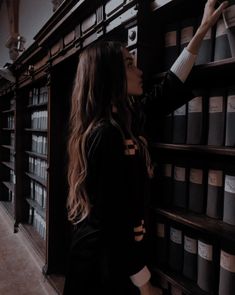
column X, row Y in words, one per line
column 210, row 17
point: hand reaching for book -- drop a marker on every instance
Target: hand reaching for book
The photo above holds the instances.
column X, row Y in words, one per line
column 210, row 17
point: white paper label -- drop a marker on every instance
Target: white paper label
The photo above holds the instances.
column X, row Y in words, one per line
column 176, row 291
column 176, row 235
column 167, row 170
column 220, row 29
column 231, row 104
column 196, row 176
column 229, row 16
column 208, row 35
column 195, row 105
column 186, row 34
column 205, row 251
column 215, row 178
column 180, row 111
column 160, row 230
column 190, row 245
column 229, row 184
column 170, row 39
column 179, row 173
column 227, row 261
column 216, row 104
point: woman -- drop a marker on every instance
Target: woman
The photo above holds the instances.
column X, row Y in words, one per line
column 109, row 166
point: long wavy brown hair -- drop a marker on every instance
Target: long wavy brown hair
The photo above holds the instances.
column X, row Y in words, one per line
column 100, row 85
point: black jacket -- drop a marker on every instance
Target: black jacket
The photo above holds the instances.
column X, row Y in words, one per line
column 110, row 246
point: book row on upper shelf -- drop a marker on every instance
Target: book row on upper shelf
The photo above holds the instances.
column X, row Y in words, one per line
column 207, row 119
column 38, row 193
column 38, row 222
column 200, row 190
column 197, row 258
column 38, row 167
column 39, row 120
column 217, row 44
column 38, row 95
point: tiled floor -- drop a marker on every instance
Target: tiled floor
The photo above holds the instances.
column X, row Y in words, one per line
column 20, row 271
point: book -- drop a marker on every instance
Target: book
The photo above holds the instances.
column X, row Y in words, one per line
column 229, row 21
column 229, row 199
column 180, row 187
column 222, row 48
column 215, row 194
column 216, row 120
column 176, row 249
column 230, row 118
column 205, row 51
column 190, row 258
column 227, row 273
column 205, row 273
column 180, row 124
column 195, row 119
column 196, row 190
column 171, row 45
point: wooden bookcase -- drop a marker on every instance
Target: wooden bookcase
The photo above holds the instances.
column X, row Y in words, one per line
column 214, row 231
column 33, row 166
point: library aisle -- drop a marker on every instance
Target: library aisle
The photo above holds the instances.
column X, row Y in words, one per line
column 20, row 270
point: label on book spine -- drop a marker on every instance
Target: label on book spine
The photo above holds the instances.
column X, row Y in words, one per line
column 216, row 104
column 190, row 245
column 176, row 236
column 195, row 105
column 186, row 34
column 160, row 230
column 179, row 173
column 231, row 104
column 167, row 170
column 215, row 178
column 180, row 111
column 205, row 251
column 230, row 184
column 229, row 16
column 220, row 29
column 196, row 176
column 227, row 261
column 170, row 39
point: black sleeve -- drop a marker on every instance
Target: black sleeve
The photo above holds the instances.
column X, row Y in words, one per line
column 117, row 199
column 166, row 97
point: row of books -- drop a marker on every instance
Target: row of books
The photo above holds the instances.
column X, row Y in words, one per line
column 207, row 119
column 12, row 156
column 217, row 44
column 38, row 222
column 38, row 167
column 38, row 95
column 196, row 259
column 38, row 193
column 10, row 122
column 12, row 176
column 12, row 139
column 10, row 196
column 39, row 144
column 39, row 120
column 199, row 190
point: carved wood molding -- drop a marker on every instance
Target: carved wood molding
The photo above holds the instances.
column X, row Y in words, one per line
column 13, row 19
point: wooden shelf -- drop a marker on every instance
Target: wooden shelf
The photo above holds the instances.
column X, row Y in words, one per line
column 36, row 178
column 41, row 211
column 36, row 240
column 187, row 286
column 9, row 185
column 34, row 154
column 200, row 222
column 8, row 111
column 216, row 150
column 36, row 130
column 10, row 147
column 10, row 165
column 8, row 129
column 37, row 106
